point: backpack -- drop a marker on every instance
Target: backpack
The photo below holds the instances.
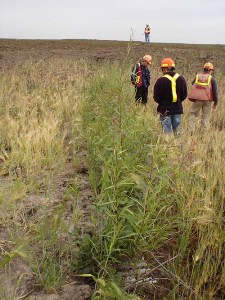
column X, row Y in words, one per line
column 133, row 76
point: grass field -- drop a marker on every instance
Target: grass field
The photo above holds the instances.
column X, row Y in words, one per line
column 95, row 202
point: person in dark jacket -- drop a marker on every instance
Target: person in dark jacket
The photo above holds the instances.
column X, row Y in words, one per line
column 203, row 93
column 140, row 78
column 170, row 91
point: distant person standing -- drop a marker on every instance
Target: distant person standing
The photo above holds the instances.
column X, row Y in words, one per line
column 147, row 33
column 203, row 93
column 170, row 91
column 140, row 78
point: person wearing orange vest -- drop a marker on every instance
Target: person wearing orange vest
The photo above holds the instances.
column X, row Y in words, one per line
column 140, row 78
column 147, row 33
column 170, row 91
column 203, row 93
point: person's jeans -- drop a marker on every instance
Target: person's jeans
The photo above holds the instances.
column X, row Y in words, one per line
column 147, row 40
column 171, row 123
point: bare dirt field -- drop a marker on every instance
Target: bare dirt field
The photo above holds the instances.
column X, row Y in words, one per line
column 18, row 51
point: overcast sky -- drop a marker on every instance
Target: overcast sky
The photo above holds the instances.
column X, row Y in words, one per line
column 171, row 21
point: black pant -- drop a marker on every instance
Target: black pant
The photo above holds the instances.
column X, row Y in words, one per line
column 141, row 94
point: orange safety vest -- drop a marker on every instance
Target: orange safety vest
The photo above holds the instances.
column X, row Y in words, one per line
column 202, row 88
column 147, row 29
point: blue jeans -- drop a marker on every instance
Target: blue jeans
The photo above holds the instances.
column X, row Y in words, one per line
column 171, row 122
column 147, row 40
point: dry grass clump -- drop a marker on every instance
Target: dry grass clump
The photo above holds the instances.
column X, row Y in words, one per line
column 38, row 134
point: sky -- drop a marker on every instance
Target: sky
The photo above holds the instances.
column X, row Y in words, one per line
column 171, row 21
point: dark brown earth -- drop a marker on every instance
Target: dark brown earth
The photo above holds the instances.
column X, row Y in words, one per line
column 187, row 56
column 153, row 284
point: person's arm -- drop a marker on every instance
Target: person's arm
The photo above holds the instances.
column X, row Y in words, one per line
column 182, row 88
column 215, row 93
column 157, row 92
column 149, row 77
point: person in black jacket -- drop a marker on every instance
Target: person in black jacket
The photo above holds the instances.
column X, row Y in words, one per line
column 170, row 91
column 140, row 78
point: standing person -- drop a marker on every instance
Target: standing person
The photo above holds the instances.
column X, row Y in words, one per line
column 203, row 93
column 147, row 33
column 140, row 78
column 170, row 91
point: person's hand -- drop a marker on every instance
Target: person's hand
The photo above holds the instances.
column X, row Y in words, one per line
column 214, row 106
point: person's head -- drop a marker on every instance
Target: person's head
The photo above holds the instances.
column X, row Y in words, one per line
column 146, row 60
column 167, row 65
column 208, row 67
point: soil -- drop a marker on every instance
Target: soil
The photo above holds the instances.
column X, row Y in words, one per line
column 14, row 52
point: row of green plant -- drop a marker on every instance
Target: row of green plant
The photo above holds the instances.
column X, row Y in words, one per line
column 149, row 192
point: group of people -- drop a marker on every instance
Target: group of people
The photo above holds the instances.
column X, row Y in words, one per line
column 170, row 91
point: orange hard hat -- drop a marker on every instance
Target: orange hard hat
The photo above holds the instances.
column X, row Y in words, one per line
column 148, row 58
column 167, row 63
column 208, row 66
